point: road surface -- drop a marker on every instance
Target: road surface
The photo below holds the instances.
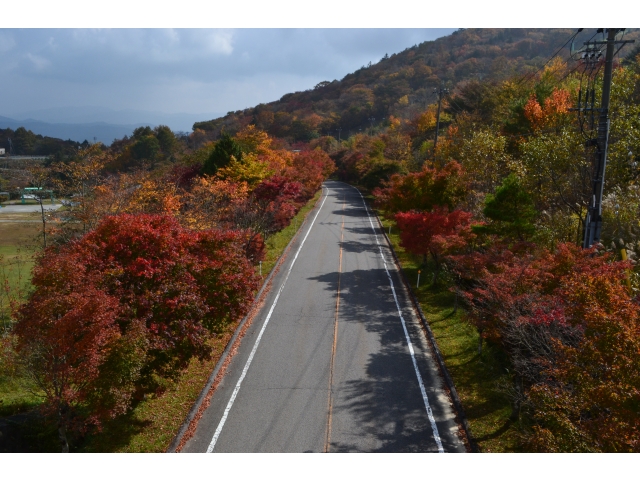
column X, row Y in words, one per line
column 335, row 361
column 28, row 208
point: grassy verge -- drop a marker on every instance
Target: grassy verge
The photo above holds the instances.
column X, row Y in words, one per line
column 152, row 424
column 476, row 377
column 17, row 393
column 16, row 251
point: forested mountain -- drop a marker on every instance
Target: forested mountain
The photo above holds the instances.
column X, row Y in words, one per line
column 402, row 84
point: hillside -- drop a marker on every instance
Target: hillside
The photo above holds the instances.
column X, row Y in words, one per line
column 400, row 84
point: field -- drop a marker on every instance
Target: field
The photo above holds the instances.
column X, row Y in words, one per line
column 17, row 393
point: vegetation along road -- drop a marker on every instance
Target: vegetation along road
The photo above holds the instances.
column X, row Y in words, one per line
column 335, row 360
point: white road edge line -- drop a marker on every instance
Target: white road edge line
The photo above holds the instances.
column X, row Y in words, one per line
column 255, row 347
column 436, row 435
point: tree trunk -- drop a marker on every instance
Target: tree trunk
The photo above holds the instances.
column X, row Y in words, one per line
column 455, row 303
column 480, row 344
column 44, row 224
column 436, row 273
column 517, row 398
column 62, row 434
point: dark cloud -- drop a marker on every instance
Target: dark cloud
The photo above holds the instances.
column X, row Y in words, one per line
column 192, row 70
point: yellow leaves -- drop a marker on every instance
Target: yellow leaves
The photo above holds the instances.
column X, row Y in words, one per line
column 152, row 196
column 220, row 189
column 404, row 100
column 313, row 120
column 212, row 200
column 394, row 123
column 556, row 67
column 253, row 140
column 251, row 169
column 427, row 121
column 278, row 160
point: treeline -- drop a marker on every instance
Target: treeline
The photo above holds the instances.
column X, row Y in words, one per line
column 24, row 142
column 145, row 266
column 497, row 213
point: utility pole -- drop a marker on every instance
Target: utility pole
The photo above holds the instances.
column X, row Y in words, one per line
column 440, row 92
column 593, row 221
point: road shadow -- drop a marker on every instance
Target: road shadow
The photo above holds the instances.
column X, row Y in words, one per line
column 384, row 404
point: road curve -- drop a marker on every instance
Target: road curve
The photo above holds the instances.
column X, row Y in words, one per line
column 336, row 360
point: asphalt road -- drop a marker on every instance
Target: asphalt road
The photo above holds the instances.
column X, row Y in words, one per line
column 28, row 208
column 327, row 364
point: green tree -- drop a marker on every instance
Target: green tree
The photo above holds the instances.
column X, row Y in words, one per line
column 510, row 210
column 24, row 141
column 221, row 155
column 146, row 148
column 166, row 139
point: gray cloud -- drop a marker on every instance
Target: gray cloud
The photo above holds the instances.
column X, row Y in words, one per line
column 189, row 70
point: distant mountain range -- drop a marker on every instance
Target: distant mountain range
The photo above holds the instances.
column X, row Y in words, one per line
column 79, row 132
column 103, row 124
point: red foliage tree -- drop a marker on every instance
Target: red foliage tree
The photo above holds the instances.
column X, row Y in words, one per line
column 424, row 190
column 65, row 334
column 178, row 282
column 310, row 168
column 280, row 198
column 139, row 295
column 590, row 399
column 570, row 330
column 437, row 232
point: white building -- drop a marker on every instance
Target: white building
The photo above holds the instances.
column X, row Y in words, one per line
column 1, row 151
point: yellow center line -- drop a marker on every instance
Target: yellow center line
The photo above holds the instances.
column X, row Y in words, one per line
column 327, row 443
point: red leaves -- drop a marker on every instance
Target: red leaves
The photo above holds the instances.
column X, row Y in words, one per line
column 138, row 295
column 424, row 190
column 438, row 232
column 310, row 168
column 572, row 332
column 593, row 401
column 279, row 198
column 277, row 188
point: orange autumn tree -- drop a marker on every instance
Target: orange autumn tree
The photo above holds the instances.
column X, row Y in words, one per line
column 551, row 113
column 211, row 202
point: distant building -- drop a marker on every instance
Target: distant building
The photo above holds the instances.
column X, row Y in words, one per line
column 1, row 151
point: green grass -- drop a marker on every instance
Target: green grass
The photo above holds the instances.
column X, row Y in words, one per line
column 17, row 393
column 476, row 377
column 16, row 261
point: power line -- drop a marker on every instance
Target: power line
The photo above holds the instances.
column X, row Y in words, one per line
column 526, row 77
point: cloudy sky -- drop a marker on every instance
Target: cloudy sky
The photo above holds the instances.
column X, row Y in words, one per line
column 54, row 73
